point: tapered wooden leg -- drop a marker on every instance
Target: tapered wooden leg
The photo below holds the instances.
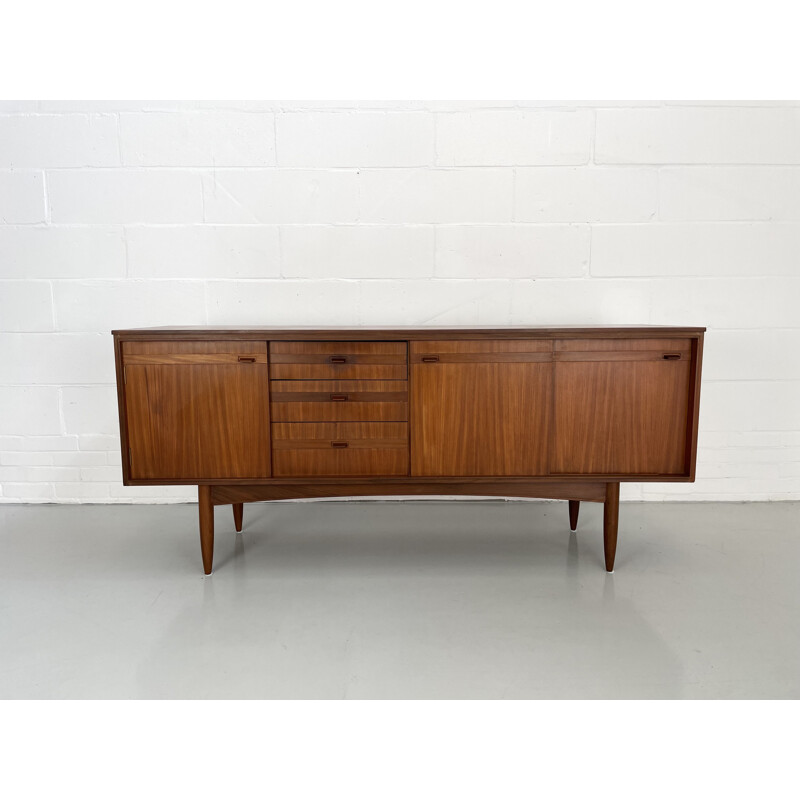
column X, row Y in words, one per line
column 574, row 508
column 206, row 527
column 238, row 509
column 610, row 524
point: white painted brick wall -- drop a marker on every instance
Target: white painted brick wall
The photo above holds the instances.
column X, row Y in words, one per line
column 512, row 251
column 34, row 251
column 724, row 249
column 355, row 139
column 280, row 196
column 509, row 137
column 403, row 196
column 697, row 136
column 58, row 140
column 217, row 138
column 105, row 305
column 357, row 251
column 28, row 307
column 125, row 195
column 151, row 213
column 742, row 194
column 203, row 251
column 578, row 194
column 22, row 196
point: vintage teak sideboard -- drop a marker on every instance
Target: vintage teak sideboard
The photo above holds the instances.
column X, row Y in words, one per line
column 251, row 414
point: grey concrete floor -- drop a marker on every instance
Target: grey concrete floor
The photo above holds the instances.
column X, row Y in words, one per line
column 400, row 600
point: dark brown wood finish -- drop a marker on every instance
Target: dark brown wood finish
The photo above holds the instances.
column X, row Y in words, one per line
column 574, row 508
column 562, row 413
column 361, row 487
column 694, row 408
column 256, row 332
column 610, row 524
column 206, row 509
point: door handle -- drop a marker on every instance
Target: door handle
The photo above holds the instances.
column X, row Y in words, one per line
column 429, row 359
column 339, row 445
column 247, row 359
column 338, row 359
column 339, row 397
column 671, row 356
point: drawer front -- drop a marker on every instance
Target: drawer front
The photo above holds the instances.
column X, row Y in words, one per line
column 486, row 351
column 321, row 401
column 623, row 350
column 339, row 412
column 338, row 360
column 313, row 449
column 219, row 352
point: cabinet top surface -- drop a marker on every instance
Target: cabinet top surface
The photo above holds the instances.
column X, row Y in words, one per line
column 258, row 332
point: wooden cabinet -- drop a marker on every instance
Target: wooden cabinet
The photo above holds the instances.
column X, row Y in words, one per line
column 261, row 414
column 480, row 407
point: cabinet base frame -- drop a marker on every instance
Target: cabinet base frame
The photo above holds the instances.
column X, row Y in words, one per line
column 575, row 491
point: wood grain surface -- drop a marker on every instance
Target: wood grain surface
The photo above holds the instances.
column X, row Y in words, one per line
column 620, row 417
column 488, row 418
column 200, row 422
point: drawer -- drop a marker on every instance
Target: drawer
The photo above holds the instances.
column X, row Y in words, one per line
column 200, row 352
column 338, row 360
column 345, row 448
column 481, row 351
column 334, row 401
column 623, row 350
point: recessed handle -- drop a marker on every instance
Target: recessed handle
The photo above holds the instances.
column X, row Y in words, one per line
column 339, row 445
column 247, row 359
column 338, row 398
column 430, row 359
column 338, row 359
column 671, row 356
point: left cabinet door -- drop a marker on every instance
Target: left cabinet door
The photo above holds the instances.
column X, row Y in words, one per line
column 197, row 410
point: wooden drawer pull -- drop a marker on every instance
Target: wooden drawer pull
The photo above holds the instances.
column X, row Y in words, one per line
column 671, row 356
column 339, row 397
column 247, row 359
column 339, row 445
column 338, row 359
column 430, row 359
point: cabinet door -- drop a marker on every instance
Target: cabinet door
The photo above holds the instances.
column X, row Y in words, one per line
column 621, row 406
column 480, row 407
column 197, row 410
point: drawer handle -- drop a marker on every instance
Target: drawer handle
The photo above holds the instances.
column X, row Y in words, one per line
column 430, row 359
column 339, row 445
column 338, row 359
column 671, row 356
column 339, row 397
column 247, row 359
